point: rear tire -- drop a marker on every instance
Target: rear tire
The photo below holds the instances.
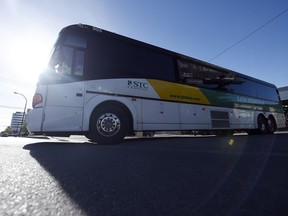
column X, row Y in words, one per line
column 262, row 126
column 271, row 125
column 108, row 125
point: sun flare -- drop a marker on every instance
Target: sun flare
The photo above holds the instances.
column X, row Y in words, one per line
column 28, row 57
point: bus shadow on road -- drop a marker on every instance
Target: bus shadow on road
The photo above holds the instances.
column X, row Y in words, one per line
column 146, row 175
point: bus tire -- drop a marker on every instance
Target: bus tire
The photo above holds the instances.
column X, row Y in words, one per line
column 262, row 125
column 148, row 133
column 108, row 125
column 271, row 125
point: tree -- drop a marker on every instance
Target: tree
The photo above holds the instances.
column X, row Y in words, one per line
column 8, row 130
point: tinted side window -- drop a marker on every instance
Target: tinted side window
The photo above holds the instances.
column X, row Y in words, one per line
column 256, row 89
column 109, row 58
column 75, row 41
column 266, row 92
column 247, row 87
column 193, row 73
column 65, row 67
column 157, row 65
column 79, row 62
column 116, row 58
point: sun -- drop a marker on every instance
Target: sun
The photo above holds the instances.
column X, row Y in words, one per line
column 28, row 56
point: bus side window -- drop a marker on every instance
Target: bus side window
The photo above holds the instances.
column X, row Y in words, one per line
column 188, row 74
column 79, row 63
column 65, row 66
column 157, row 65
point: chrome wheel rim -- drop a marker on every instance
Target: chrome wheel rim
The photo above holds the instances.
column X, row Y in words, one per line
column 108, row 124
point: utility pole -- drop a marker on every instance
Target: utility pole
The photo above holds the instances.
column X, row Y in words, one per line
column 23, row 111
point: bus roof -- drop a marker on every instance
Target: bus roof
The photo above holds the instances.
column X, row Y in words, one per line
column 88, row 29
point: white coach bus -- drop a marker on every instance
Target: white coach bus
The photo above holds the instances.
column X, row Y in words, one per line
column 106, row 86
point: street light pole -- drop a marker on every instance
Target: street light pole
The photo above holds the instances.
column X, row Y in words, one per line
column 23, row 111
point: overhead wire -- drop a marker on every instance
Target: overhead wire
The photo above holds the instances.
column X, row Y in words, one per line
column 249, row 35
column 16, row 82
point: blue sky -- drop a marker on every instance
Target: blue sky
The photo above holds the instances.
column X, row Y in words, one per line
column 201, row 29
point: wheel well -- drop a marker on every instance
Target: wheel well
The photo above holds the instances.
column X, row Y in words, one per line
column 121, row 106
column 261, row 116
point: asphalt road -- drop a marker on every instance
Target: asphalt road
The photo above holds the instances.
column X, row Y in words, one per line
column 237, row 175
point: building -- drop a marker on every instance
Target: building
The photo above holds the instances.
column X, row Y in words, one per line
column 283, row 93
column 16, row 121
column 284, row 98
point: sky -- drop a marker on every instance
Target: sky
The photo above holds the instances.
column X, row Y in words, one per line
column 198, row 28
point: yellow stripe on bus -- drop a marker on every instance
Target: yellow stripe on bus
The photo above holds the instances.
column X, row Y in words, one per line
column 177, row 92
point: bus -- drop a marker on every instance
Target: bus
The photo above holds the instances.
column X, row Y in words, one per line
column 107, row 86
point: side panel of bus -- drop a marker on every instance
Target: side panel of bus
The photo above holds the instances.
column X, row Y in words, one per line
column 160, row 115
column 194, row 116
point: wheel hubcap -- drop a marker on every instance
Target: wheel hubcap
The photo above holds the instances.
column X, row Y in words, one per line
column 108, row 124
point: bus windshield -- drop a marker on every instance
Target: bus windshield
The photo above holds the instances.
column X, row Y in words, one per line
column 67, row 60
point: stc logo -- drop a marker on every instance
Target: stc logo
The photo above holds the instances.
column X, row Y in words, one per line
column 137, row 85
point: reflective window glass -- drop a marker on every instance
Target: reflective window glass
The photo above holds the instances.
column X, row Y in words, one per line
column 79, row 63
column 76, row 41
column 65, row 65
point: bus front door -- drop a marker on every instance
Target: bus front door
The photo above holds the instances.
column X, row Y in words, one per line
column 64, row 107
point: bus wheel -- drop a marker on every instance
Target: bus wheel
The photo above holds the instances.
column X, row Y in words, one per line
column 271, row 125
column 262, row 125
column 148, row 133
column 108, row 125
